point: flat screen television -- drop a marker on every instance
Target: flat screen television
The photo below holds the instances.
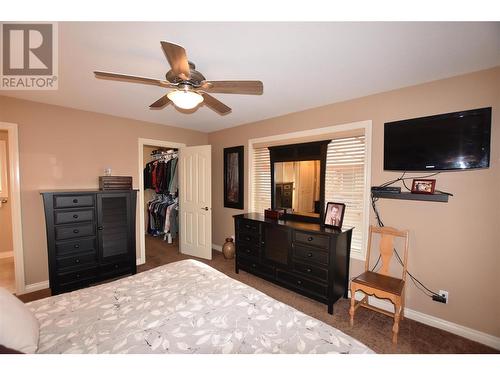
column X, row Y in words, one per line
column 458, row 140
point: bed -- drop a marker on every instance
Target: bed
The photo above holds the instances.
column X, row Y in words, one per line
column 181, row 307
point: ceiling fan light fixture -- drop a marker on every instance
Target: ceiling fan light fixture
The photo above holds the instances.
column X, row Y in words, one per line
column 185, row 99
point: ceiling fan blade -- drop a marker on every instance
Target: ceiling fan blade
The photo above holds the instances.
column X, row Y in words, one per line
column 215, row 104
column 162, row 102
column 134, row 79
column 176, row 56
column 233, row 87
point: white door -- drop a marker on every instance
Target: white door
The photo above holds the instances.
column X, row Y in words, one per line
column 195, row 201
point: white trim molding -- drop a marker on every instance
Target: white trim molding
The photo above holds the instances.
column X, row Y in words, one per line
column 6, row 254
column 15, row 201
column 141, row 143
column 366, row 126
column 457, row 329
column 35, row 287
column 217, row 247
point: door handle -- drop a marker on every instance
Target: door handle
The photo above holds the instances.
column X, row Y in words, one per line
column 205, row 208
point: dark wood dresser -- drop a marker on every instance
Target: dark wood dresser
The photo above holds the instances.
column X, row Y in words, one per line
column 90, row 236
column 303, row 257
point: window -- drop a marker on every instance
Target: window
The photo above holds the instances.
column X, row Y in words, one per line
column 345, row 183
column 347, row 173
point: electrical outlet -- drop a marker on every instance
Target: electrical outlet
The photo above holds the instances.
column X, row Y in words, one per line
column 444, row 293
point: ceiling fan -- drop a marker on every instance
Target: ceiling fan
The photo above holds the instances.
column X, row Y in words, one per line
column 190, row 87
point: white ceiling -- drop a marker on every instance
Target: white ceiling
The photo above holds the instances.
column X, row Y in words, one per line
column 302, row 65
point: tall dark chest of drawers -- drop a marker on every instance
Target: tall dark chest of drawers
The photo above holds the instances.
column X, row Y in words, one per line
column 303, row 257
column 90, row 236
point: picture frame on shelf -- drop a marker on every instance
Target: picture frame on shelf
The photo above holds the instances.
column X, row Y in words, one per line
column 334, row 215
column 233, row 177
column 423, row 186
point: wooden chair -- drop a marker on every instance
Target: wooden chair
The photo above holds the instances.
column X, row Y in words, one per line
column 380, row 284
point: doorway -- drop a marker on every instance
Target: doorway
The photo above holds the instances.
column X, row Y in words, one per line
column 11, row 247
column 153, row 238
column 194, row 234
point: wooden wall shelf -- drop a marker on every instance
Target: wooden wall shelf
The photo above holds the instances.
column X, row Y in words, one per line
column 437, row 197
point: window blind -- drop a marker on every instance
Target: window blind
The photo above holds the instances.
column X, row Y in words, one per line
column 261, row 183
column 345, row 183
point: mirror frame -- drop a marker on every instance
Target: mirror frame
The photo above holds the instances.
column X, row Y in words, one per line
column 301, row 152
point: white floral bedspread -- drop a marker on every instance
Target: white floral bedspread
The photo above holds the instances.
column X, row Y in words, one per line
column 182, row 307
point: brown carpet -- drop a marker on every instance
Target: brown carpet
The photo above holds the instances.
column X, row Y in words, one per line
column 371, row 328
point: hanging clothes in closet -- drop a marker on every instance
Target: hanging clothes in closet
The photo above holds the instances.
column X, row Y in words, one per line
column 161, row 173
column 161, row 176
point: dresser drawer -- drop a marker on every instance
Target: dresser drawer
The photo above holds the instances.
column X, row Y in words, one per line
column 77, row 260
column 80, row 275
column 248, row 250
column 311, row 239
column 302, row 284
column 74, row 216
column 311, row 271
column 67, row 201
column 81, row 246
column 74, row 231
column 256, row 268
column 246, row 238
column 115, row 269
column 249, row 226
column 309, row 254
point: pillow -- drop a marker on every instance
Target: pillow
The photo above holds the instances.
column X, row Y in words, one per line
column 19, row 329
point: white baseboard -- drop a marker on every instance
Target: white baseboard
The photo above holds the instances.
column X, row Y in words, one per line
column 36, row 286
column 139, row 261
column 217, row 247
column 6, row 254
column 433, row 321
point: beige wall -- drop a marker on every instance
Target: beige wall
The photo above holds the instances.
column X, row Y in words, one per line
column 454, row 246
column 5, row 210
column 63, row 148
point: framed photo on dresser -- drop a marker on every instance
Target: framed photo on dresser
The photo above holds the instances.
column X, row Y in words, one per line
column 334, row 215
column 233, row 177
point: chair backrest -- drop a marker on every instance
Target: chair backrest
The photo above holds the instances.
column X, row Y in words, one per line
column 386, row 247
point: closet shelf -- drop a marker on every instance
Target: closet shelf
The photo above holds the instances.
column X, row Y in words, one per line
column 436, row 197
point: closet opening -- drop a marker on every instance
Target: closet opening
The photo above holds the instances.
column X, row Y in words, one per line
column 161, row 203
column 158, row 203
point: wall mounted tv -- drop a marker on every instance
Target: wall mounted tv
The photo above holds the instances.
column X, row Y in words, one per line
column 458, row 140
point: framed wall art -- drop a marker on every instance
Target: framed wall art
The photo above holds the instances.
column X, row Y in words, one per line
column 233, row 177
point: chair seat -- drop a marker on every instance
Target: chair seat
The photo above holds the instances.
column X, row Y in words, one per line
column 386, row 283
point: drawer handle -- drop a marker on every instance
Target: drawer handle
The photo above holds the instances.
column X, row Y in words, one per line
column 309, row 254
column 299, row 282
column 248, row 251
column 247, row 226
column 116, row 266
column 75, row 216
column 76, row 231
column 254, row 265
column 77, row 246
column 310, row 238
column 77, row 260
column 100, row 228
column 247, row 238
column 77, row 275
column 309, row 270
column 75, row 200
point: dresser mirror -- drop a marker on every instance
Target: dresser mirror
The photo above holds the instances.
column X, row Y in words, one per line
column 298, row 180
column 297, row 186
